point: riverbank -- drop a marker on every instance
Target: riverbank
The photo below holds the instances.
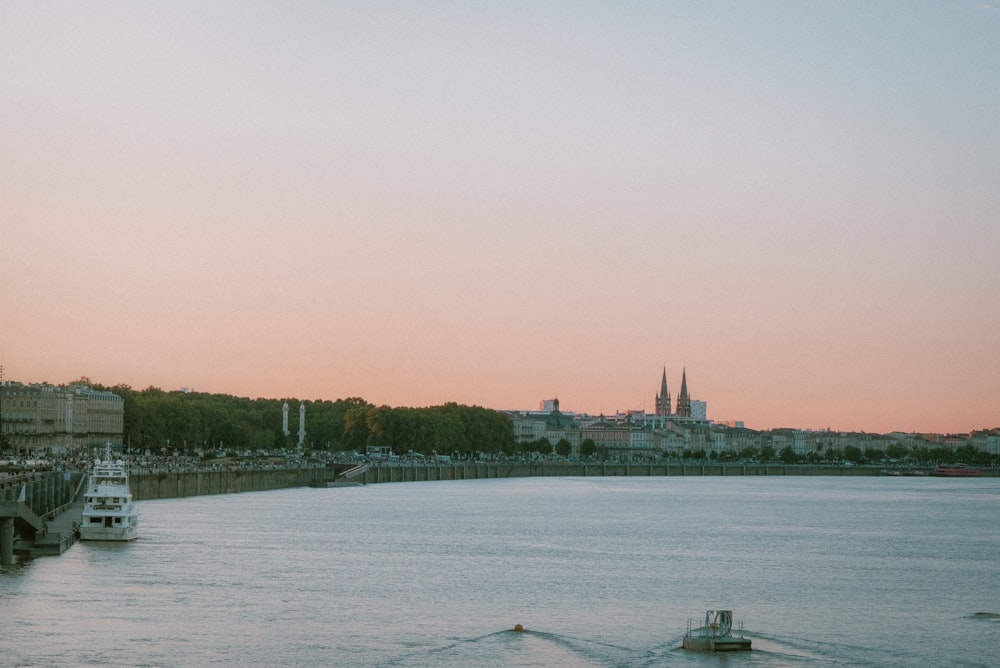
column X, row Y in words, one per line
column 172, row 485
column 169, row 485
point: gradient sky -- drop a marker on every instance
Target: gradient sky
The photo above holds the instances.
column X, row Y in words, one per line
column 499, row 203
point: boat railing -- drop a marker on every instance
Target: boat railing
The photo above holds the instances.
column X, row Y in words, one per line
column 712, row 630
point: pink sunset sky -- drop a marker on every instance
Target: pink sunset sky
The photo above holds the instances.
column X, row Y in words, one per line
column 499, row 203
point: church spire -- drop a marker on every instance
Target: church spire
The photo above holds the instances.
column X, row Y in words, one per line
column 684, row 400
column 663, row 398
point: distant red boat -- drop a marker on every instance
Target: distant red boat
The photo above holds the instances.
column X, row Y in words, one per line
column 957, row 471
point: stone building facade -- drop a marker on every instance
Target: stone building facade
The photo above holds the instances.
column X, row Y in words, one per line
column 552, row 424
column 43, row 419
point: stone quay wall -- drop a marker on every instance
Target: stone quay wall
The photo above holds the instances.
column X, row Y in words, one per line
column 171, row 485
column 459, row 471
column 146, row 486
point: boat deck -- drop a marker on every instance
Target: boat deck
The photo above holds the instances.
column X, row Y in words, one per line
column 730, row 644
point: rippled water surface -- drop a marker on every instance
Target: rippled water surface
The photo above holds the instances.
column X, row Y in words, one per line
column 600, row 571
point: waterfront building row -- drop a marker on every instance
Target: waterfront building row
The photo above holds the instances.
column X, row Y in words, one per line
column 44, row 419
column 636, row 436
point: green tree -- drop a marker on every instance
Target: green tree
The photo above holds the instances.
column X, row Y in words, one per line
column 970, row 454
column 587, row 448
column 727, row 456
column 788, row 455
column 897, row 451
column 356, row 432
column 942, row 455
column 564, row 448
column 852, row 453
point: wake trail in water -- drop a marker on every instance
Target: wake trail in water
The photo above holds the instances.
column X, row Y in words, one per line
column 525, row 648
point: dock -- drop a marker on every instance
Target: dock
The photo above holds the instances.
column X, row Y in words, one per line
column 40, row 514
column 59, row 533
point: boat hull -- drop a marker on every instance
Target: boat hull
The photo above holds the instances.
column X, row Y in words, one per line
column 118, row 534
column 728, row 644
column 101, row 529
column 715, row 635
column 956, row 472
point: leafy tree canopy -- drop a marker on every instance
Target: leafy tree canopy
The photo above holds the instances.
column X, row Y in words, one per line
column 189, row 421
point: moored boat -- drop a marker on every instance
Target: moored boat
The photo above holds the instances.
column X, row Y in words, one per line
column 716, row 635
column 957, row 471
column 108, row 510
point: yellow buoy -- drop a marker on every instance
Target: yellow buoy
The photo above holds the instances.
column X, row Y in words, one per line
column 518, row 628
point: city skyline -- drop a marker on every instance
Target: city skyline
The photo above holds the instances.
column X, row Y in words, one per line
column 419, row 204
column 693, row 411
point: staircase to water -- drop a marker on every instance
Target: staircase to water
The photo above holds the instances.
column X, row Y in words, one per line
column 38, row 513
column 353, row 472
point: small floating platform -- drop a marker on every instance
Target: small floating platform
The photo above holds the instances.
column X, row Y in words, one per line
column 335, row 483
column 52, row 544
column 56, row 536
column 716, row 635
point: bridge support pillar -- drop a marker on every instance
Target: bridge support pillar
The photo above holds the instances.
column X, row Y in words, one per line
column 6, row 541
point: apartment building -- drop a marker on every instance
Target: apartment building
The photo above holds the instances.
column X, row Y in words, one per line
column 43, row 419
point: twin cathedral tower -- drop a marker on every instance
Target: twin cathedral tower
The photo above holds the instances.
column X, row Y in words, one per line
column 683, row 400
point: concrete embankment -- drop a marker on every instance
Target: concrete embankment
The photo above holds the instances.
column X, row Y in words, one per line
column 379, row 474
column 197, row 483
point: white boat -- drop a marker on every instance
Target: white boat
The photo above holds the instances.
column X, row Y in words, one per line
column 716, row 634
column 108, row 511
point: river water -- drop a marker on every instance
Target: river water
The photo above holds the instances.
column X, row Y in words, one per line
column 600, row 572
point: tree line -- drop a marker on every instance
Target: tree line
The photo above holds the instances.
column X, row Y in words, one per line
column 186, row 422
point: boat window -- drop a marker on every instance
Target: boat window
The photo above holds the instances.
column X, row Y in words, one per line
column 95, row 520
